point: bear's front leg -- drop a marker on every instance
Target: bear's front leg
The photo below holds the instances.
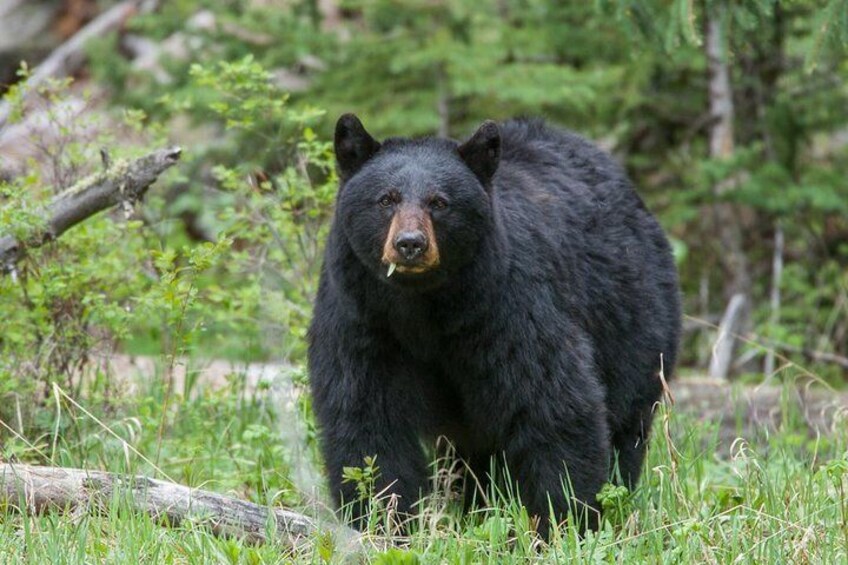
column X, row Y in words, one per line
column 364, row 410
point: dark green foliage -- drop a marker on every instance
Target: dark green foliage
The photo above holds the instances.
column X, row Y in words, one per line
column 428, row 66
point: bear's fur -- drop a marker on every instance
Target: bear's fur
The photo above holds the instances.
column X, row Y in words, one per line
column 531, row 299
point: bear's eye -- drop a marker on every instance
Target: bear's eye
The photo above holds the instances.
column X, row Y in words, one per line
column 385, row 201
column 439, row 203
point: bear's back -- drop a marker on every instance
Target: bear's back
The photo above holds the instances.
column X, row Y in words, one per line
column 555, row 188
column 538, row 159
column 573, row 219
column 554, row 185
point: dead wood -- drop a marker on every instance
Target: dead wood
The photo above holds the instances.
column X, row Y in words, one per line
column 813, row 355
column 754, row 413
column 728, row 331
column 43, row 489
column 120, row 183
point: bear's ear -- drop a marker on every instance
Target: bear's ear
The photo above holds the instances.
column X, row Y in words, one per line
column 482, row 152
column 354, row 146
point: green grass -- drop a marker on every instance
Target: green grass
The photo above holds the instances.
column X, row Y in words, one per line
column 775, row 502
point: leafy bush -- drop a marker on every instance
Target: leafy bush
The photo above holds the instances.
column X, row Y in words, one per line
column 144, row 284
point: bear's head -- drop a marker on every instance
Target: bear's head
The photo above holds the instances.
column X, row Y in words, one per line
column 415, row 210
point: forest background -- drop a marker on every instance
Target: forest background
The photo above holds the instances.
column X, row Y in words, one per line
column 177, row 321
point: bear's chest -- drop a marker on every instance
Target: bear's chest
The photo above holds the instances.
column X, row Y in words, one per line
column 415, row 332
column 436, row 346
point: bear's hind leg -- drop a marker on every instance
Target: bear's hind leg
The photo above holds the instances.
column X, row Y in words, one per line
column 630, row 443
column 477, row 478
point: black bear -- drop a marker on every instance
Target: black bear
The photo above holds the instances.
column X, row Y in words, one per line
column 511, row 293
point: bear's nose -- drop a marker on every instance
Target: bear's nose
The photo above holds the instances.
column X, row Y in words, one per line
column 411, row 244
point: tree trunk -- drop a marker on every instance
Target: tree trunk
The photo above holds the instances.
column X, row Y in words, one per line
column 443, row 101
column 721, row 93
column 728, row 230
column 769, row 65
column 774, row 300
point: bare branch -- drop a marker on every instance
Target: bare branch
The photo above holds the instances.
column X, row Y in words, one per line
column 124, row 183
column 813, row 355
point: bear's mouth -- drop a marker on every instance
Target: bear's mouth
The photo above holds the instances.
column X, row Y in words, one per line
column 408, row 268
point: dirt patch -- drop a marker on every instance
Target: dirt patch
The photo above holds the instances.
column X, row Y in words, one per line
column 749, row 412
column 754, row 412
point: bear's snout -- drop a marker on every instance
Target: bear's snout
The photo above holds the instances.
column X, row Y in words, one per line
column 411, row 244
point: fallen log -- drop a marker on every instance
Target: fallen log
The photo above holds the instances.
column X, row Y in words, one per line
column 38, row 489
column 120, row 183
column 756, row 413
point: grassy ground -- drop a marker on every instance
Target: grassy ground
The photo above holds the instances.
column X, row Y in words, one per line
column 778, row 501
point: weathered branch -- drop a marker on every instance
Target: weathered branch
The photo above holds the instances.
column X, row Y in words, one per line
column 691, row 324
column 121, row 183
column 70, row 55
column 813, row 355
column 44, row 489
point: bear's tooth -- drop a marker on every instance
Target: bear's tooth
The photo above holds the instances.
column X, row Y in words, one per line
column 392, row 267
